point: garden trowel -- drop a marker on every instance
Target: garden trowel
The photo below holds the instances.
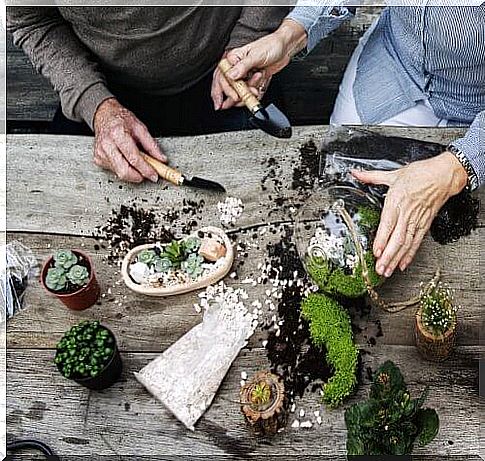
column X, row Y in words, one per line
column 269, row 119
column 177, row 178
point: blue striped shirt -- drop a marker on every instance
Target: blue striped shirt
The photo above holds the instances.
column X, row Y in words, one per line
column 416, row 53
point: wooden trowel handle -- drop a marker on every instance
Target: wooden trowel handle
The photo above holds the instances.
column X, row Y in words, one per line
column 248, row 98
column 164, row 171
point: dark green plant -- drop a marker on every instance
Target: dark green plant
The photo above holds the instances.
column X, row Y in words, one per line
column 438, row 309
column 333, row 280
column 147, row 257
column 84, row 350
column 389, row 422
column 64, row 259
column 193, row 265
column 330, row 327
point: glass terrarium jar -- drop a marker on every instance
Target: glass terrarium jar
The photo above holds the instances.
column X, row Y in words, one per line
column 335, row 230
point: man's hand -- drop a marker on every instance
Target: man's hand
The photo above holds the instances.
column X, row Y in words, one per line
column 259, row 61
column 416, row 194
column 119, row 136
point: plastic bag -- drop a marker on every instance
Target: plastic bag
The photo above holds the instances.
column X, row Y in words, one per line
column 20, row 267
column 346, row 149
column 186, row 377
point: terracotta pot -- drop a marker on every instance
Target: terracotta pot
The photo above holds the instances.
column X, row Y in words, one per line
column 431, row 347
column 84, row 297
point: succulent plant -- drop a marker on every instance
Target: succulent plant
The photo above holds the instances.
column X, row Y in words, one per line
column 193, row 265
column 147, row 257
column 261, row 394
column 163, row 264
column 192, row 244
column 56, row 279
column 84, row 350
column 78, row 275
column 65, row 259
column 175, row 251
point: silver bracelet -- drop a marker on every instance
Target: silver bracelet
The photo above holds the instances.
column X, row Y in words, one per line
column 465, row 163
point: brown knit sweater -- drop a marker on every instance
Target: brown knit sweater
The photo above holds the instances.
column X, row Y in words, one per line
column 155, row 50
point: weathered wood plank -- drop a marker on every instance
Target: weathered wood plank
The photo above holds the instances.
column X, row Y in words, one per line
column 163, row 321
column 69, row 181
column 126, row 420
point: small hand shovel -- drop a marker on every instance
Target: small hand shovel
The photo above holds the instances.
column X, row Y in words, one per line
column 269, row 119
column 178, row 179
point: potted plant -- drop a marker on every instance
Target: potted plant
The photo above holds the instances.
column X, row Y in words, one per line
column 69, row 275
column 390, row 422
column 89, row 355
column 263, row 403
column 436, row 322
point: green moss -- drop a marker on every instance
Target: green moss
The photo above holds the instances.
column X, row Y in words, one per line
column 330, row 327
column 369, row 217
column 335, row 281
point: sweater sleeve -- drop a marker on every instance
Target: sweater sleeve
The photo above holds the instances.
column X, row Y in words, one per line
column 55, row 51
column 472, row 145
column 320, row 19
column 256, row 22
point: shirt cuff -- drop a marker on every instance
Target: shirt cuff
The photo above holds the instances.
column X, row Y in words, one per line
column 472, row 146
column 319, row 21
column 89, row 102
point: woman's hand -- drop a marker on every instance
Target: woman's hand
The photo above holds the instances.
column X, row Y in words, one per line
column 259, row 61
column 118, row 133
column 416, row 194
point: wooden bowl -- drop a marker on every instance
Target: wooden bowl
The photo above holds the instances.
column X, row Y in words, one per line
column 186, row 287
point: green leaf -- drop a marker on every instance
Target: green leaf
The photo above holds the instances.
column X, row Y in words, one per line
column 428, row 425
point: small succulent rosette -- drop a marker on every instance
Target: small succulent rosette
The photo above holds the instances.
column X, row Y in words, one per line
column 179, row 262
column 335, row 230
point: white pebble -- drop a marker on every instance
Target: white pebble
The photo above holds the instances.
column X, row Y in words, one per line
column 243, row 383
column 293, row 408
column 302, row 413
column 319, row 419
column 264, row 343
column 317, row 413
column 306, row 424
column 296, row 424
column 244, row 375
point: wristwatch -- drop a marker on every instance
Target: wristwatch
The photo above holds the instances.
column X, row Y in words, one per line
column 465, row 163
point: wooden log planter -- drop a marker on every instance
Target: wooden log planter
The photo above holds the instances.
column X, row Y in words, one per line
column 263, row 403
column 432, row 347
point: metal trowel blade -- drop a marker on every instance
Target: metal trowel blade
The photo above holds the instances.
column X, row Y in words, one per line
column 271, row 120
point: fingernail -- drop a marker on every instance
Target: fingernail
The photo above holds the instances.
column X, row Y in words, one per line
column 380, row 269
column 402, row 267
column 388, row 273
column 232, row 74
column 378, row 253
column 154, row 178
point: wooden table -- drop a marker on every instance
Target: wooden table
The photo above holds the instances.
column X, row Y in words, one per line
column 57, row 197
